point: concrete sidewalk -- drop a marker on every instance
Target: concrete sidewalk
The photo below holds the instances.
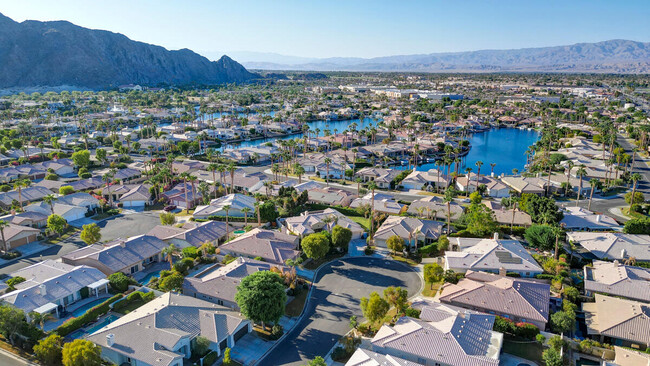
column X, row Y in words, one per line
column 26, row 251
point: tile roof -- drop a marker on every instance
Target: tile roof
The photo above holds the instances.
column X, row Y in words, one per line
column 491, row 255
column 617, row 279
column 149, row 332
column 613, row 245
column 505, row 295
column 579, row 218
column 618, row 318
column 407, row 226
column 307, row 222
column 272, row 246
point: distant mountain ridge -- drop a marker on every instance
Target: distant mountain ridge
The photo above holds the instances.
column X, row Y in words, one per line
column 51, row 54
column 618, row 56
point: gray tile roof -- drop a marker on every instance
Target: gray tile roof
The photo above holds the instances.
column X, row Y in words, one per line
column 491, row 255
column 454, row 339
column 120, row 253
column 58, row 279
column 221, row 281
column 272, row 246
column 617, row 279
column 613, row 245
column 406, row 226
column 151, row 331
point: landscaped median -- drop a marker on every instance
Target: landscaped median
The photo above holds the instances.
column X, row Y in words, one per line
column 89, row 316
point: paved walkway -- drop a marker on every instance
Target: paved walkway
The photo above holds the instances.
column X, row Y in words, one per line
column 251, row 348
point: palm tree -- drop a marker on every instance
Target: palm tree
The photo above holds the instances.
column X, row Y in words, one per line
column 358, row 180
column 479, row 164
column 108, row 177
column 557, row 232
column 213, row 168
column 169, row 253
column 245, row 211
column 568, row 176
column 231, row 169
column 449, row 196
column 328, row 161
column 19, row 184
column 299, row 171
column 259, row 217
column 3, row 225
column 185, row 176
column 49, row 199
column 227, row 208
column 581, row 172
column 636, row 177
column 492, row 165
column 372, row 186
column 595, row 183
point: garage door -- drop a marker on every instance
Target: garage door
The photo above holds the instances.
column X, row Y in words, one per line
column 240, row 333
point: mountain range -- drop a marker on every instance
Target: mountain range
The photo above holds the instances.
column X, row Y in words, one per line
column 613, row 56
column 59, row 53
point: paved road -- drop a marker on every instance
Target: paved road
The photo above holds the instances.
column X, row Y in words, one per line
column 339, row 287
column 120, row 226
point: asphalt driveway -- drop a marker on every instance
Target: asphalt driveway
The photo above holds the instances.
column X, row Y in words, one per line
column 124, row 226
column 338, row 290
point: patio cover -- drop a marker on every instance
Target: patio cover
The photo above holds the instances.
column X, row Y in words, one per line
column 46, row 308
column 97, row 284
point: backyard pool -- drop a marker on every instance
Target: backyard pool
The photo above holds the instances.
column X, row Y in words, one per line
column 238, row 232
column 82, row 333
column 82, row 309
column 149, row 276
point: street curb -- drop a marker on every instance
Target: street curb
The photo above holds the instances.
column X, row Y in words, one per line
column 16, row 357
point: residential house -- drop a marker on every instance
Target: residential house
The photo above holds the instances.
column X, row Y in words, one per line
column 413, row 231
column 138, row 196
column 381, row 177
column 192, row 233
column 432, row 207
column 490, row 255
column 271, row 246
column 80, row 199
column 17, row 235
column 330, row 196
column 628, row 357
column 618, row 321
column 183, row 195
column 443, row 335
column 513, row 298
column 121, row 255
column 430, row 180
column 51, row 287
column 161, row 331
column 219, row 283
column 68, row 212
column 26, row 195
column 494, row 187
column 236, row 202
column 245, row 182
column 60, row 167
column 32, row 219
column 581, row 219
column 312, row 222
column 383, row 203
column 529, row 185
column 613, row 245
column 508, row 217
column 617, row 279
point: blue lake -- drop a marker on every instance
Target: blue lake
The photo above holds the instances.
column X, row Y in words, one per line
column 504, row 146
column 331, row 126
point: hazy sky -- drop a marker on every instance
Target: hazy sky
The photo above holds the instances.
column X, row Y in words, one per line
column 352, row 27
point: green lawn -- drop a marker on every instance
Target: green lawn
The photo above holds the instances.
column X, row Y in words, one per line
column 409, row 261
column 129, row 308
column 365, row 223
column 430, row 289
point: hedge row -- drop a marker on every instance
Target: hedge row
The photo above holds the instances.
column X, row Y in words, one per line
column 137, row 296
column 89, row 316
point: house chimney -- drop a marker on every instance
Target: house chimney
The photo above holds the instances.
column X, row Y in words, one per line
column 496, row 236
column 597, row 218
column 123, row 243
column 623, row 253
column 502, row 272
column 467, row 315
column 43, row 289
column 110, row 340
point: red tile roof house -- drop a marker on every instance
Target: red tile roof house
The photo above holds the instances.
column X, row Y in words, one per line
column 271, row 246
column 513, row 298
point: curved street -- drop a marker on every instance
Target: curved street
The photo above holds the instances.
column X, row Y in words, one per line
column 338, row 289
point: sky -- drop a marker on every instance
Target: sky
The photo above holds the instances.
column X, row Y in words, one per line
column 350, row 28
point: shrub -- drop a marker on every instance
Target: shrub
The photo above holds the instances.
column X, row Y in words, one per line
column 277, row 331
column 413, row 313
column 526, row 330
column 119, row 281
column 339, row 354
column 210, row 359
column 190, row 252
column 540, row 236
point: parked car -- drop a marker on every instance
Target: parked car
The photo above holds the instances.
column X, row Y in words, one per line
column 169, row 208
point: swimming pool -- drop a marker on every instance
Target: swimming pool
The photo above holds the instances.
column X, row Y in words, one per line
column 149, row 276
column 82, row 309
column 109, row 319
